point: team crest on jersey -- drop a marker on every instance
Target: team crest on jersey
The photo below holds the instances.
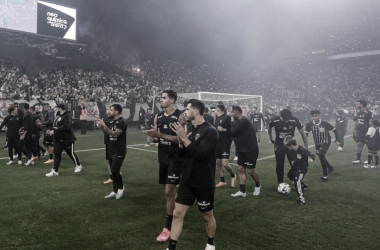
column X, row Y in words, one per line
column 299, row 156
column 165, row 126
column 197, row 136
column 322, row 130
column 171, row 125
column 285, row 128
column 159, row 116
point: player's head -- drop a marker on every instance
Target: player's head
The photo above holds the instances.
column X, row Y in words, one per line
column 374, row 122
column 315, row 115
column 285, row 114
column 220, row 108
column 33, row 109
column 26, row 106
column 290, row 142
column 149, row 111
column 61, row 107
column 168, row 97
column 46, row 106
column 16, row 104
column 236, row 112
column 206, row 110
column 116, row 110
column 194, row 109
column 12, row 110
column 255, row 109
column 361, row 104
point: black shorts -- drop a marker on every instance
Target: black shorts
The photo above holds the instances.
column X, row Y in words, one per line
column 223, row 151
column 170, row 173
column 204, row 196
column 257, row 127
column 247, row 159
column 48, row 140
column 360, row 136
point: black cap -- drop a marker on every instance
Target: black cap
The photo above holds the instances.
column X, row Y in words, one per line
column 61, row 106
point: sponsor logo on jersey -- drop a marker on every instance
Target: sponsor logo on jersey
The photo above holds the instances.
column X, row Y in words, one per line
column 197, row 136
column 174, row 117
column 299, row 156
column 165, row 126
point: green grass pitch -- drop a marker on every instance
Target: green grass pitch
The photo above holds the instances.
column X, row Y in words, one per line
column 70, row 212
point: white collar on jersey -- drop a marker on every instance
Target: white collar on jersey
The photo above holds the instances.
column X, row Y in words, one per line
column 318, row 123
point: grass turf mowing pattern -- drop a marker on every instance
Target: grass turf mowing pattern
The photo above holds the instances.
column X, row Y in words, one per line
column 69, row 211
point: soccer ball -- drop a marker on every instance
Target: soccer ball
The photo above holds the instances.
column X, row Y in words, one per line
column 284, row 188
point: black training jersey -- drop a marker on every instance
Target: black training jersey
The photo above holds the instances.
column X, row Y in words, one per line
column 299, row 158
column 48, row 119
column 321, row 131
column 28, row 124
column 63, row 130
column 256, row 119
column 245, row 135
column 107, row 122
column 362, row 120
column 118, row 144
column 283, row 128
column 198, row 158
column 341, row 123
column 224, row 121
column 166, row 148
column 13, row 123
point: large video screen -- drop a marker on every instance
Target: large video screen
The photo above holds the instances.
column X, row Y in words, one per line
column 38, row 17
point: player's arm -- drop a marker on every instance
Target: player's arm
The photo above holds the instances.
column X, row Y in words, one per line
column 6, row 119
column 304, row 137
column 119, row 129
column 262, row 118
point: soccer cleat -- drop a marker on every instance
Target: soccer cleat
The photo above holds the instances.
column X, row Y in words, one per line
column 19, row 162
column 300, row 203
column 30, row 162
column 120, row 193
column 233, row 181
column 340, row 149
column 10, row 162
column 49, row 161
column 235, row 159
column 257, row 190
column 147, row 145
column 367, row 166
column 366, row 162
column 164, row 235
column 111, row 195
column 78, row 169
column 210, row 247
column 220, row 184
column 108, row 181
column 356, row 161
column 239, row 194
column 324, row 178
column 52, row 173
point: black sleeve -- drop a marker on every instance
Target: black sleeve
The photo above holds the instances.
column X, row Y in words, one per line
column 121, row 125
column 236, row 128
column 206, row 146
column 28, row 122
column 4, row 123
column 66, row 124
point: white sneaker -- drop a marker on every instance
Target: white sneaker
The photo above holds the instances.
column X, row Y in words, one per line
column 239, row 194
column 366, row 162
column 356, row 161
column 29, row 162
column 210, row 247
column 19, row 162
column 78, row 169
column 52, row 173
column 235, row 159
column 340, row 149
column 10, row 162
column 374, row 166
column 15, row 156
column 257, row 190
column 120, row 193
column 367, row 166
column 46, row 153
column 111, row 195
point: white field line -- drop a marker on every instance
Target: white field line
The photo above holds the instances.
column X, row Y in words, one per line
column 152, row 151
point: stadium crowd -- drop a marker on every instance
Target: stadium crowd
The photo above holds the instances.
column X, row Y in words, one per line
column 300, row 87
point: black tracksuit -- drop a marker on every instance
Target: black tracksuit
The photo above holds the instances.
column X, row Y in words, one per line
column 13, row 123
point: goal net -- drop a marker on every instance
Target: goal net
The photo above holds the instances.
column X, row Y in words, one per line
column 211, row 99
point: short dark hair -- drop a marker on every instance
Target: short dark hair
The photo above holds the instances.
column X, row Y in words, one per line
column 15, row 103
column 117, row 107
column 171, row 93
column 206, row 110
column 290, row 141
column 237, row 108
column 363, row 102
column 61, row 106
column 149, row 109
column 221, row 107
column 315, row 112
column 11, row 109
column 197, row 104
column 255, row 107
column 26, row 106
column 286, row 114
column 33, row 108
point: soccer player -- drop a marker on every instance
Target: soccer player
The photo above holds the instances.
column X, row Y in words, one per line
column 198, row 177
column 47, row 124
column 13, row 123
column 373, row 143
column 169, row 162
column 247, row 150
column 107, row 122
column 223, row 125
column 27, row 132
column 284, row 125
column 361, row 127
column 341, row 127
column 322, row 139
column 117, row 147
column 64, row 139
column 149, row 123
column 256, row 118
column 208, row 118
column 300, row 158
